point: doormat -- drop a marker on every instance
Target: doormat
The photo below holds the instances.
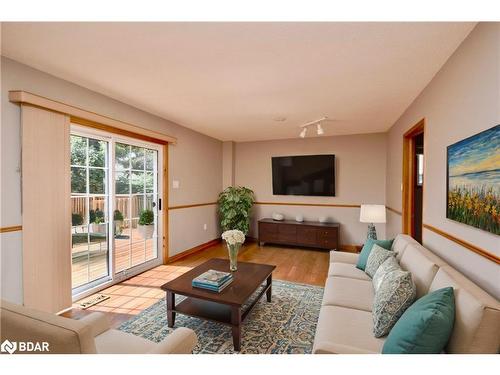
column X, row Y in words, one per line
column 94, row 300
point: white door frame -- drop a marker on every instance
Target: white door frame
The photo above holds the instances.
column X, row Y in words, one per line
column 113, row 277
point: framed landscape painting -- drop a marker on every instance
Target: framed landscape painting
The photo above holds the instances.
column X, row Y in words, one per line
column 473, row 177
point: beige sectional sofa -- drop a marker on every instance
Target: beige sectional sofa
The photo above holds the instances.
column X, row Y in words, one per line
column 345, row 321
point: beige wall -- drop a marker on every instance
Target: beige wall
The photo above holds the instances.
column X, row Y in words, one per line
column 360, row 178
column 463, row 99
column 195, row 161
column 227, row 164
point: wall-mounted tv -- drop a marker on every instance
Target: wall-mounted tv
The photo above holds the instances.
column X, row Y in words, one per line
column 312, row 175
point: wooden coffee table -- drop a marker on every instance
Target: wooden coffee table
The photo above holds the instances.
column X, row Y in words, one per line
column 226, row 307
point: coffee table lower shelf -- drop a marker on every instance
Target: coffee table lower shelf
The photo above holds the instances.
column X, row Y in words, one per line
column 231, row 315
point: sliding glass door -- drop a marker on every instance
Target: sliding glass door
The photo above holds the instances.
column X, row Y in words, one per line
column 136, row 203
column 89, row 217
column 116, row 226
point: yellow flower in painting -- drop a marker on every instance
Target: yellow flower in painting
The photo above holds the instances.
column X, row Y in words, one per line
column 487, row 208
column 468, row 203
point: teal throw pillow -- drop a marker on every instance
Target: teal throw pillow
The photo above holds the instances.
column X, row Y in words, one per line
column 425, row 327
column 367, row 248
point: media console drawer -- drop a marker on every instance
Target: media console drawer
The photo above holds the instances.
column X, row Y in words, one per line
column 308, row 233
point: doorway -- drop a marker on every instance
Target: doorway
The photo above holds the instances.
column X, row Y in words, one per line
column 413, row 180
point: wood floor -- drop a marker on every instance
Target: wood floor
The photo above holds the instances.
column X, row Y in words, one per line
column 131, row 296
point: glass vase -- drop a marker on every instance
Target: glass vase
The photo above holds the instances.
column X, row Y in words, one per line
column 233, row 256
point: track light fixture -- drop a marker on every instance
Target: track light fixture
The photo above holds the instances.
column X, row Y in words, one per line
column 319, row 129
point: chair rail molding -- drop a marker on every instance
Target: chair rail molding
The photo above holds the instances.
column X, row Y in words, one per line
column 12, row 228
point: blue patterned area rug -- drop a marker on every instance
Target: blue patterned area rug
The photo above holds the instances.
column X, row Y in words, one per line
column 286, row 325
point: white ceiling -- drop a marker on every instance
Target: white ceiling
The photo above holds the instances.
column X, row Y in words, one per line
column 230, row 80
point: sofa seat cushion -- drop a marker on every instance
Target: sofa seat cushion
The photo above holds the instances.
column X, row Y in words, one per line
column 342, row 330
column 118, row 342
column 347, row 292
column 347, row 270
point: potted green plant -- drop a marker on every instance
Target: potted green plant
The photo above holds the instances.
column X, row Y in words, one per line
column 76, row 219
column 235, row 204
column 97, row 224
column 118, row 222
column 146, row 224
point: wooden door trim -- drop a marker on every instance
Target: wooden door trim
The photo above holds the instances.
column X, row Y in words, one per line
column 409, row 176
column 165, row 204
column 91, row 118
column 164, row 193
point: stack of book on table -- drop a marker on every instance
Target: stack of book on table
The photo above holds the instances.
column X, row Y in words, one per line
column 213, row 280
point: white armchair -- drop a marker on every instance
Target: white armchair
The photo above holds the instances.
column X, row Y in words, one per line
column 89, row 335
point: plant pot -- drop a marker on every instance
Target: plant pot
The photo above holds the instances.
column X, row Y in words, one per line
column 98, row 228
column 146, row 230
column 118, row 227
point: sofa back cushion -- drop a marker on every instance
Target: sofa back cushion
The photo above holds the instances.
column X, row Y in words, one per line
column 64, row 335
column 400, row 243
column 477, row 314
column 415, row 259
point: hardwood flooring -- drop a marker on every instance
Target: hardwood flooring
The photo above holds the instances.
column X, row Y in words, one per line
column 131, row 296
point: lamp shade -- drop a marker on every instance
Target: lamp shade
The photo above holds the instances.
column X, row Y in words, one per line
column 372, row 213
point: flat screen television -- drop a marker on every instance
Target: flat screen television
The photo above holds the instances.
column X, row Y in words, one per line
column 312, row 175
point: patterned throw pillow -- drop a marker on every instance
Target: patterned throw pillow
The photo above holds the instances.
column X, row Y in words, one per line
column 395, row 294
column 367, row 248
column 389, row 265
column 377, row 256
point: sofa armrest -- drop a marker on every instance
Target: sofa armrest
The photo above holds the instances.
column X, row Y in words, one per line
column 332, row 348
column 181, row 341
column 98, row 323
column 343, row 257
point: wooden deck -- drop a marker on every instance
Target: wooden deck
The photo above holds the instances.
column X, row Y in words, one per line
column 126, row 256
column 131, row 296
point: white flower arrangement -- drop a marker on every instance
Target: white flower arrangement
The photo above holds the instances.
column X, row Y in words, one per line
column 233, row 237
